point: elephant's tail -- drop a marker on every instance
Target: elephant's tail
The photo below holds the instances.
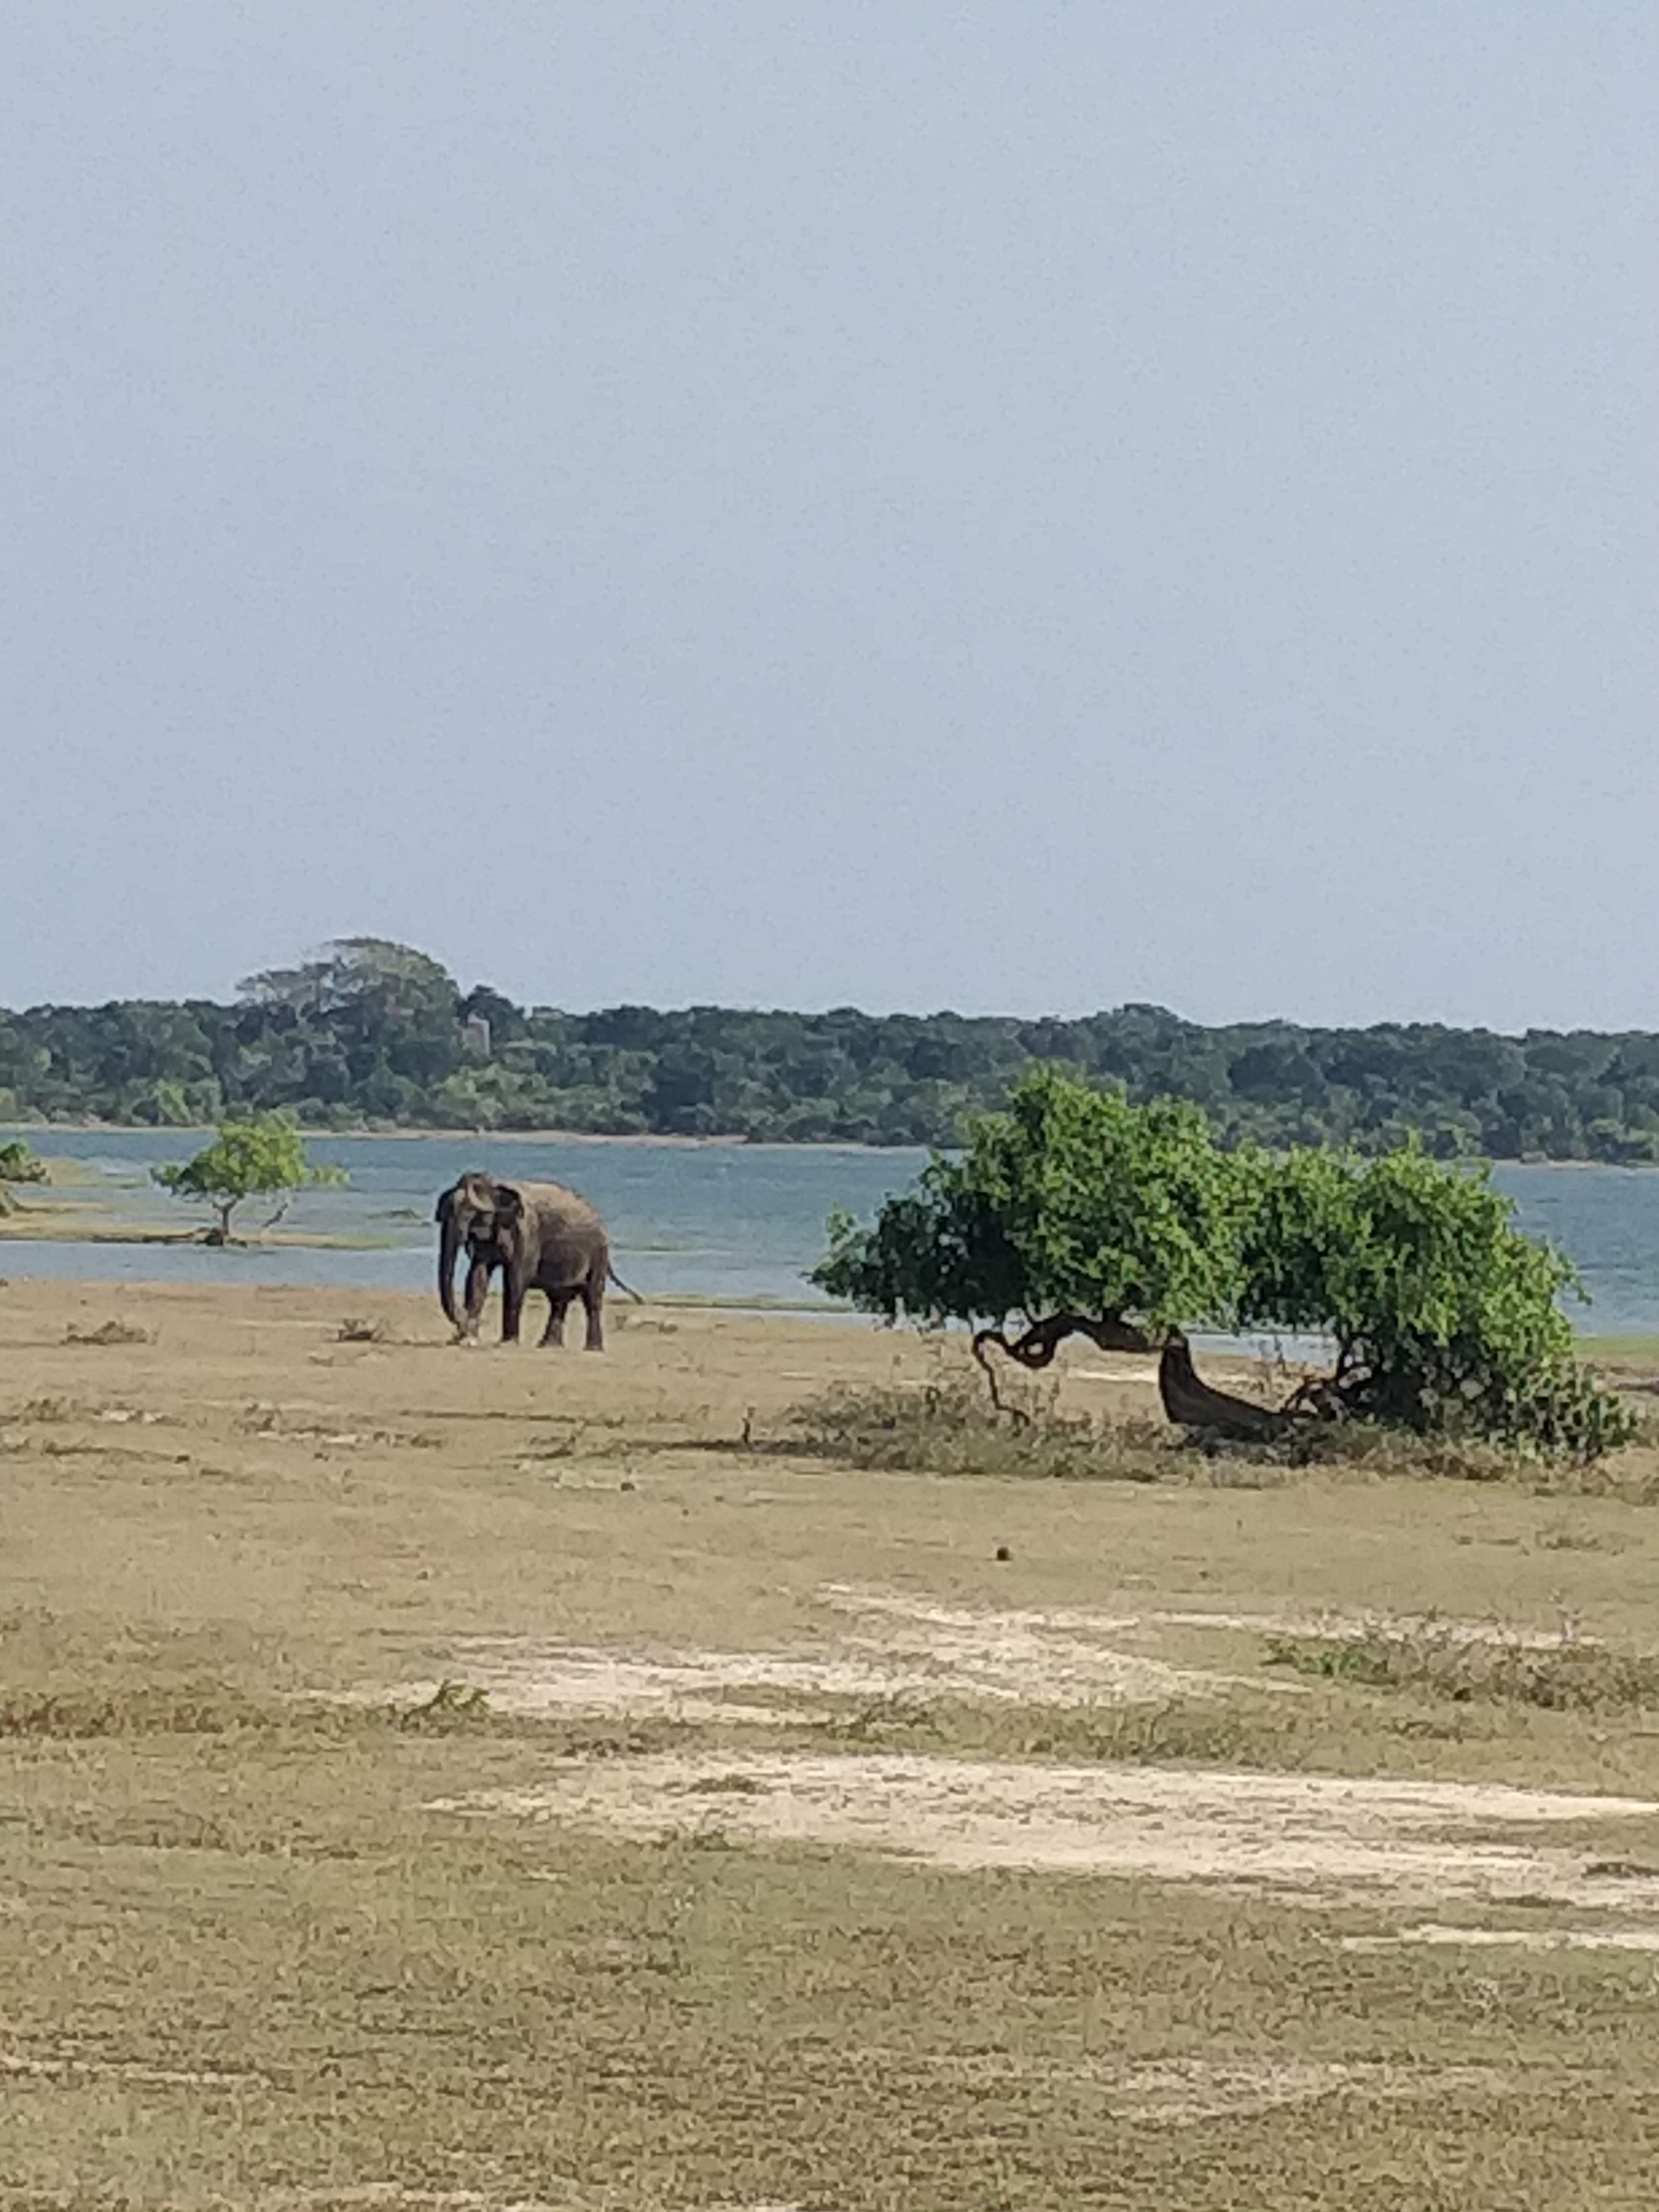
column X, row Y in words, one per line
column 621, row 1286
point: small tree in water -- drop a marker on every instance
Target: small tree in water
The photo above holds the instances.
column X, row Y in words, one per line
column 1077, row 1213
column 264, row 1158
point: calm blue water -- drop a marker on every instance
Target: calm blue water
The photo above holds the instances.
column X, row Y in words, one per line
column 732, row 1221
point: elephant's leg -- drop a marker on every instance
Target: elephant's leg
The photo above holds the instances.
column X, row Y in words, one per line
column 593, row 1300
column 558, row 1305
column 512, row 1302
column 478, row 1290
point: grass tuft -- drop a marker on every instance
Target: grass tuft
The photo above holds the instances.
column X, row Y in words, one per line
column 80, row 1715
column 1438, row 1661
column 108, row 1332
column 357, row 1328
column 452, row 1701
column 948, row 1427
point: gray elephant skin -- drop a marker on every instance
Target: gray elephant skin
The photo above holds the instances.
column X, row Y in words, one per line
column 542, row 1237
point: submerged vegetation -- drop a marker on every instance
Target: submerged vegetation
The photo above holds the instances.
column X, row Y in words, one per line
column 17, row 1164
column 376, row 1032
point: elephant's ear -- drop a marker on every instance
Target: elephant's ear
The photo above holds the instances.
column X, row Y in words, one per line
column 445, row 1206
column 509, row 1206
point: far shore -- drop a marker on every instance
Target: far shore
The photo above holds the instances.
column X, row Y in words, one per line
column 642, row 1138
column 185, row 1133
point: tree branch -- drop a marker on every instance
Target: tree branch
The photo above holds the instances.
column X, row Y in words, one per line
column 1036, row 1344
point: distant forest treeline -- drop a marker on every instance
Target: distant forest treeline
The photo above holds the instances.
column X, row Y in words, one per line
column 374, row 1033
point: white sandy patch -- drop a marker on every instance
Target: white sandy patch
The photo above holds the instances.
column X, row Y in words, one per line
column 1312, row 1837
column 892, row 1646
column 1400, row 1626
column 77, row 2067
column 1518, row 1938
column 1055, row 1632
column 403, row 2198
column 1182, row 2092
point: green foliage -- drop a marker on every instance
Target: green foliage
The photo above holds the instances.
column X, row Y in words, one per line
column 1073, row 1200
column 1445, row 1317
column 18, row 1163
column 371, row 1032
column 265, row 1157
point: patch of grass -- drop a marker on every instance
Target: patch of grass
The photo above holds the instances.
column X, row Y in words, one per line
column 949, row 1427
column 1563, row 1535
column 1185, row 1730
column 357, row 1330
column 47, row 1409
column 86, row 1714
column 112, row 1332
column 1438, row 1661
column 265, row 1980
column 1367, row 1450
column 450, row 1701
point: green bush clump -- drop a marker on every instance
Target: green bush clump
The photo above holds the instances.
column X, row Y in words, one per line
column 263, row 1157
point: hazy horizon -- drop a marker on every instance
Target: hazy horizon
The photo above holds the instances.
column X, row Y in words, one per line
column 1014, row 512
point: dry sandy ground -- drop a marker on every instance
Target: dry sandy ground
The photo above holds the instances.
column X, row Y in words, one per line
column 475, row 1499
column 694, row 1641
column 1314, row 1839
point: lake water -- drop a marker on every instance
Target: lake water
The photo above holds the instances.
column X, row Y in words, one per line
column 739, row 1222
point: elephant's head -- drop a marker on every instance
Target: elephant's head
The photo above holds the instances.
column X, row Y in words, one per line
column 481, row 1213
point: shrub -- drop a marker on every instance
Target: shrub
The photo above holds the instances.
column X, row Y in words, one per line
column 263, row 1157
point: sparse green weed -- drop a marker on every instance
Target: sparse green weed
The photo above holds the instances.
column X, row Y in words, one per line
column 948, row 1427
column 1438, row 1661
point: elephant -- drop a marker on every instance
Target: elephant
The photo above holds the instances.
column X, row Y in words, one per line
column 542, row 1237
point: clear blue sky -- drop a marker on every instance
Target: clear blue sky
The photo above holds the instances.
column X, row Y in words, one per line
column 1007, row 506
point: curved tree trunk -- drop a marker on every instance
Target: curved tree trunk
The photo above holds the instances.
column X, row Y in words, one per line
column 1192, row 1403
column 1036, row 1344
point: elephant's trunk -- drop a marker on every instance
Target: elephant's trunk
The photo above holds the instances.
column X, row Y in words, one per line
column 449, row 1247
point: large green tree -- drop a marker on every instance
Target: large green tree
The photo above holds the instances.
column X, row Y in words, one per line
column 1077, row 1212
column 1072, row 1213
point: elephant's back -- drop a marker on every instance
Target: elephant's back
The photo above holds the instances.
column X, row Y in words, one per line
column 570, row 1243
column 558, row 1198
